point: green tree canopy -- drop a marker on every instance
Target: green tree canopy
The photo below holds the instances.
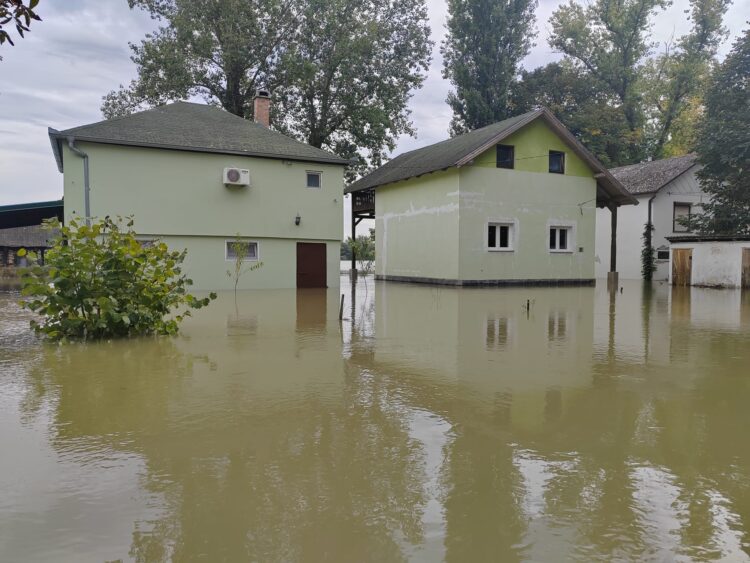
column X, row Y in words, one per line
column 609, row 42
column 19, row 15
column 724, row 146
column 341, row 71
column 486, row 41
column 673, row 82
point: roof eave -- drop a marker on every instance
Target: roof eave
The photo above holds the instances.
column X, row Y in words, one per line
column 54, row 139
column 57, row 135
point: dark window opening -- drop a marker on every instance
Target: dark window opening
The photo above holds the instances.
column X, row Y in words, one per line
column 682, row 211
column 556, row 162
column 505, row 156
column 313, row 179
column 662, row 254
column 558, row 238
column 498, row 237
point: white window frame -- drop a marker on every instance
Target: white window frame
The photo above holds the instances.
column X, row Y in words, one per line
column 571, row 239
column 319, row 174
column 248, row 259
column 512, row 234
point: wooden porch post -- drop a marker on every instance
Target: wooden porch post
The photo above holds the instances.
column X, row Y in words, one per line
column 353, row 272
column 612, row 276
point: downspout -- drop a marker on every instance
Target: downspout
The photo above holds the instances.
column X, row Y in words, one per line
column 86, row 187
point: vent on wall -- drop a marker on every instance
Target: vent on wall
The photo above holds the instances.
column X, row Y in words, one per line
column 236, row 177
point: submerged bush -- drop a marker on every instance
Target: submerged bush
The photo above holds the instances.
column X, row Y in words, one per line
column 100, row 281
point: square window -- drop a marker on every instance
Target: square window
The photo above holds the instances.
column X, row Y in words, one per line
column 249, row 250
column 500, row 236
column 505, row 156
column 313, row 179
column 560, row 239
column 681, row 211
column 662, row 254
column 556, row 162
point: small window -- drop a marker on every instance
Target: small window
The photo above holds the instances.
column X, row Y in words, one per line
column 500, row 236
column 559, row 239
column 681, row 211
column 662, row 254
column 505, row 156
column 313, row 179
column 249, row 250
column 556, row 162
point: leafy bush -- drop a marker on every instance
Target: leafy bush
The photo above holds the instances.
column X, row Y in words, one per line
column 100, row 281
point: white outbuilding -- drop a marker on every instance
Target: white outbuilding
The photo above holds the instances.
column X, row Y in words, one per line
column 710, row 261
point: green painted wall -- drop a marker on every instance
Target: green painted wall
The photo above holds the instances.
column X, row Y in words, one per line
column 532, row 145
column 416, row 227
column 179, row 196
column 436, row 226
column 534, row 202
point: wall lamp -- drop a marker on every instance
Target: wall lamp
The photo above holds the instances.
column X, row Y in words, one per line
column 297, row 220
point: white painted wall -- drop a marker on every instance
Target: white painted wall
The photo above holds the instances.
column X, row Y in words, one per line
column 631, row 222
column 715, row 263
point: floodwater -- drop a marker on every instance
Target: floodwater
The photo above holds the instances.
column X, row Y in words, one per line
column 432, row 424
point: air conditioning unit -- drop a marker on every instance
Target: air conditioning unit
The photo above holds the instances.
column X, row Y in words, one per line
column 236, row 177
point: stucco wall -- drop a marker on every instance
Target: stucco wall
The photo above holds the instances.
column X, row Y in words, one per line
column 207, row 266
column 631, row 221
column 179, row 196
column 715, row 264
column 419, row 233
column 416, row 227
column 533, row 202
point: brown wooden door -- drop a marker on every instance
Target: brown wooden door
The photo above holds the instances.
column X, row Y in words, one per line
column 311, row 264
column 682, row 266
column 746, row 267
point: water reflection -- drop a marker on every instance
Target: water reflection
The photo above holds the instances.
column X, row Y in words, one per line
column 430, row 424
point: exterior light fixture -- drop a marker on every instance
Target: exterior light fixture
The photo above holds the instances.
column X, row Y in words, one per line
column 297, row 220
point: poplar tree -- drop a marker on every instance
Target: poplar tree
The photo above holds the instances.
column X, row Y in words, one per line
column 482, row 53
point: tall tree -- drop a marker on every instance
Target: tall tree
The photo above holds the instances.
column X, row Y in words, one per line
column 591, row 113
column 724, row 146
column 673, row 81
column 609, row 41
column 341, row 71
column 19, row 15
column 350, row 72
column 222, row 50
column 482, row 53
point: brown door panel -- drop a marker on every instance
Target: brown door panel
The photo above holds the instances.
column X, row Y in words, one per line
column 311, row 264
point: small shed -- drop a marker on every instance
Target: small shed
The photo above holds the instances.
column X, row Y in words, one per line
column 33, row 238
column 710, row 261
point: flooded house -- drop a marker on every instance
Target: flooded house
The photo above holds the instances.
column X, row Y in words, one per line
column 666, row 190
column 511, row 203
column 202, row 179
column 35, row 239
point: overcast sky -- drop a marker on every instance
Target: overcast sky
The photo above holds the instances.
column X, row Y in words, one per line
column 57, row 75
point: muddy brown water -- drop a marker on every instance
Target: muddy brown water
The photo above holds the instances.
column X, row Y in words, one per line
column 431, row 424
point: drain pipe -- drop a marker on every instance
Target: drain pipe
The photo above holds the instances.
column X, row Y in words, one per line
column 86, row 187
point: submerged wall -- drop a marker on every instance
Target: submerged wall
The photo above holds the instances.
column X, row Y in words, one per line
column 714, row 263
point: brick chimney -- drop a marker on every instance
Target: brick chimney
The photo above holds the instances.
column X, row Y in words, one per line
column 262, row 107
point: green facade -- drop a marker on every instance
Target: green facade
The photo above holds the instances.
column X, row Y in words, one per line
column 179, row 196
column 434, row 228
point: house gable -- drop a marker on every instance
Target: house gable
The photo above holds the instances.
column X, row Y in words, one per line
column 531, row 146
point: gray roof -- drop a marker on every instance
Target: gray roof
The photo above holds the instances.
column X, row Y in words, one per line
column 650, row 177
column 193, row 127
column 462, row 149
column 32, row 237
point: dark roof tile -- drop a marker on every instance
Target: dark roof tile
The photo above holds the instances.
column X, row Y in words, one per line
column 197, row 127
column 650, row 177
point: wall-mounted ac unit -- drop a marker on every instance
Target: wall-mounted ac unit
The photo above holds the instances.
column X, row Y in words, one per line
column 236, row 177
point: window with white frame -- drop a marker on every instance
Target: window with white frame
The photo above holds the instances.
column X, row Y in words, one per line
column 500, row 236
column 314, row 179
column 560, row 239
column 248, row 250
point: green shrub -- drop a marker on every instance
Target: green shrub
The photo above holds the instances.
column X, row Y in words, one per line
column 100, row 281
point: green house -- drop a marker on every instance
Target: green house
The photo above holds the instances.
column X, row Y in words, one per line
column 511, row 203
column 198, row 177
